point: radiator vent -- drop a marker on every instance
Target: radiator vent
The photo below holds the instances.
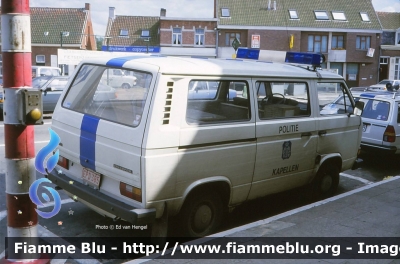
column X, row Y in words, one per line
column 168, row 103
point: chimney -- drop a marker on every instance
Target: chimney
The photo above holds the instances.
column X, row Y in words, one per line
column 274, row 5
column 269, row 5
column 111, row 12
column 163, row 12
column 87, row 6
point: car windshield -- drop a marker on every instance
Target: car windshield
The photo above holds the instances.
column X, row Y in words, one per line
column 384, row 82
column 39, row 82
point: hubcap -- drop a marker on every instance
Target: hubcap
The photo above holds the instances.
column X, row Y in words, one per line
column 202, row 217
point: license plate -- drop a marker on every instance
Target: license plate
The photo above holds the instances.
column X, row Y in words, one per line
column 91, row 178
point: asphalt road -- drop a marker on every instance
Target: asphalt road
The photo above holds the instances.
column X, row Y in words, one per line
column 76, row 220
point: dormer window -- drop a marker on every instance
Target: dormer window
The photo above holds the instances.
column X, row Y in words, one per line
column 123, row 33
column 364, row 17
column 225, row 12
column 293, row 14
column 145, row 33
column 321, row 15
column 338, row 15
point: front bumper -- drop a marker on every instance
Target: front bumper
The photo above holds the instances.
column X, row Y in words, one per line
column 120, row 209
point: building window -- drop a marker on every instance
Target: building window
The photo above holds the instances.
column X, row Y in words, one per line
column 230, row 37
column 177, row 36
column 384, row 60
column 40, row 59
column 123, row 33
column 293, row 14
column 364, row 17
column 397, row 38
column 397, row 69
column 337, row 42
column 145, row 33
column 317, row 43
column 363, row 42
column 338, row 15
column 199, row 37
column 225, row 12
column 321, row 15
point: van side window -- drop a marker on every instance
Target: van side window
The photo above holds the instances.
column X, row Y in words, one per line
column 93, row 93
column 282, row 99
column 217, row 101
column 333, row 99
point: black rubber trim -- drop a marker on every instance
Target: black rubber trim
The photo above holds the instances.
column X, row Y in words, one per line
column 127, row 212
column 247, row 140
column 389, row 150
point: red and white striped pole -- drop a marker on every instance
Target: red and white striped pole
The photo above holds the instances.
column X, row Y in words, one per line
column 22, row 218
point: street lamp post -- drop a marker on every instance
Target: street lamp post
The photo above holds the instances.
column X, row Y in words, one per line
column 146, row 37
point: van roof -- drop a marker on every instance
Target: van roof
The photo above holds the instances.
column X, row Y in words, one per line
column 210, row 67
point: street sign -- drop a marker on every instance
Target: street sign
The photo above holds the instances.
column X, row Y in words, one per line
column 236, row 44
column 255, row 41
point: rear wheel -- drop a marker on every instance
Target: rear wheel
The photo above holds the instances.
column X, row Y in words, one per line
column 125, row 86
column 202, row 214
column 326, row 181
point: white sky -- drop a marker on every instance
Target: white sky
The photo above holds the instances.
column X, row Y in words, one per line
column 175, row 8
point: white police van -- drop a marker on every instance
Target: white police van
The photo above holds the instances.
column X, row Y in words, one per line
column 152, row 152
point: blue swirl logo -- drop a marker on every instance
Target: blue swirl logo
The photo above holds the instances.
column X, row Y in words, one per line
column 41, row 156
column 35, row 199
column 51, row 163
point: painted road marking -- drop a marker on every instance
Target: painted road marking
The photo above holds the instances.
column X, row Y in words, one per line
column 356, row 178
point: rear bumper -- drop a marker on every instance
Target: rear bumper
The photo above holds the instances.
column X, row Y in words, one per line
column 114, row 207
column 379, row 148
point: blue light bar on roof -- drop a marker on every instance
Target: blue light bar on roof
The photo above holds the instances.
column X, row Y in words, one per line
column 244, row 53
column 314, row 59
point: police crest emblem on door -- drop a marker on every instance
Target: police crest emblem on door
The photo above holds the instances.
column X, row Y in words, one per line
column 286, row 149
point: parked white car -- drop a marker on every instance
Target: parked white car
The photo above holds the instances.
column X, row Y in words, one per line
column 116, row 78
column 382, row 84
column 381, row 119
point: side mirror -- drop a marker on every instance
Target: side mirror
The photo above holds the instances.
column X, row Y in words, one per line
column 358, row 109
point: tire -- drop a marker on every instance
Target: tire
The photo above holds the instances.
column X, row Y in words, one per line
column 125, row 86
column 201, row 214
column 326, row 181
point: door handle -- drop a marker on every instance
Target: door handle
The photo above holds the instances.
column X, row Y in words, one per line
column 306, row 134
column 322, row 133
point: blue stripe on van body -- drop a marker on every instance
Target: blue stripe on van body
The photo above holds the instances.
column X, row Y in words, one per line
column 119, row 62
column 88, row 141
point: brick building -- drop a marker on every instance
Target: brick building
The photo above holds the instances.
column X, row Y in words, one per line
column 389, row 64
column 55, row 28
column 164, row 35
column 347, row 33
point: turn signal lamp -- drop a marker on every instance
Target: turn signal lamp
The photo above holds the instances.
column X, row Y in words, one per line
column 130, row 191
column 390, row 134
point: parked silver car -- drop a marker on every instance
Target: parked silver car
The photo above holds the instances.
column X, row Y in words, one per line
column 381, row 119
column 52, row 87
column 382, row 84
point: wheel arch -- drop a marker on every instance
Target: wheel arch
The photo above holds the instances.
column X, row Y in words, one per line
column 220, row 184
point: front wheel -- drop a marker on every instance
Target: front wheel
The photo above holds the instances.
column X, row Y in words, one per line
column 326, row 181
column 202, row 214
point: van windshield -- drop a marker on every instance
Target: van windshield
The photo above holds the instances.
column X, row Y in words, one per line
column 98, row 92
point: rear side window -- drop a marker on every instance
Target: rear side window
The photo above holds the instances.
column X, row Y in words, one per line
column 211, row 102
column 376, row 109
column 95, row 91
